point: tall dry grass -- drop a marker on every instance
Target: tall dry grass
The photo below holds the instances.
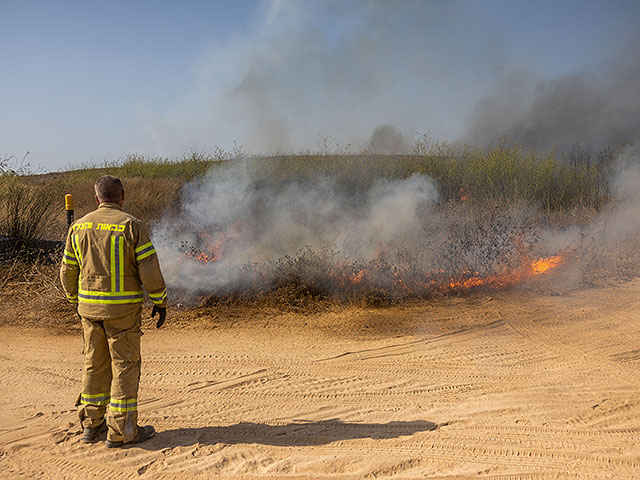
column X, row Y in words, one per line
column 560, row 189
column 31, row 207
column 26, row 211
column 498, row 175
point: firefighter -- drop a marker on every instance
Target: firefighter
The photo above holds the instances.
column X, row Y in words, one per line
column 108, row 259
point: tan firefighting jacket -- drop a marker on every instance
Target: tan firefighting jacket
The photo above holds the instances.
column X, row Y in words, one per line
column 107, row 260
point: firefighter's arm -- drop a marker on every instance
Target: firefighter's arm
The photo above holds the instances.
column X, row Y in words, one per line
column 149, row 268
column 70, row 270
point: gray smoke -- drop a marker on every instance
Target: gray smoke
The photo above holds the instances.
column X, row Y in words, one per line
column 414, row 67
column 245, row 229
column 605, row 249
column 613, row 238
column 386, row 139
column 590, row 109
column 248, row 221
column 290, row 81
column 384, row 73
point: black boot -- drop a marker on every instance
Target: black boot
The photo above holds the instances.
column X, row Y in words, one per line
column 144, row 433
column 93, row 434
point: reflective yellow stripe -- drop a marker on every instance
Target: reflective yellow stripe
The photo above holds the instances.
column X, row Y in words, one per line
column 142, row 247
column 94, row 399
column 128, row 405
column 158, row 296
column 120, row 263
column 143, row 251
column 71, row 254
column 106, row 301
column 109, row 294
column 68, row 261
column 146, row 254
column 94, row 395
column 76, row 248
column 123, row 409
column 113, row 263
column 117, row 264
column 109, row 298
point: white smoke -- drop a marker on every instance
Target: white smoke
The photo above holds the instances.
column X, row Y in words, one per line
column 243, row 228
column 340, row 69
column 257, row 222
column 618, row 226
column 291, row 80
column 625, row 219
column 604, row 249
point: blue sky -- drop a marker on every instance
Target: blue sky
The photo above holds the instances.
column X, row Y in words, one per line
column 93, row 81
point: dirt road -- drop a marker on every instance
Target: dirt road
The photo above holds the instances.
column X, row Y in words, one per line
column 518, row 387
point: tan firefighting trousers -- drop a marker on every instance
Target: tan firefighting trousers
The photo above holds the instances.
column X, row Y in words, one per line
column 111, row 375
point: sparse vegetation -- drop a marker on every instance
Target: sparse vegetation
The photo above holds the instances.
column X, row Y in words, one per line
column 25, row 208
column 497, row 175
column 500, row 174
column 571, row 187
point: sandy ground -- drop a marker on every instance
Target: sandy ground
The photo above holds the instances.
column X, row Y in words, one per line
column 520, row 386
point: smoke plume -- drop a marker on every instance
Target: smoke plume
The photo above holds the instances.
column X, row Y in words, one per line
column 386, row 139
column 382, row 74
column 363, row 76
column 337, row 70
column 589, row 109
column 242, row 230
column 245, row 230
column 244, row 221
column 611, row 242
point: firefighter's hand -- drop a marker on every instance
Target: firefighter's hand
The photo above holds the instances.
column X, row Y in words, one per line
column 163, row 315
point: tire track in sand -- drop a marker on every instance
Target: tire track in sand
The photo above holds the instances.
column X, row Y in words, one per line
column 517, row 391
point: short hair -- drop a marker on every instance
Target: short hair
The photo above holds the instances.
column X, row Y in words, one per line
column 109, row 189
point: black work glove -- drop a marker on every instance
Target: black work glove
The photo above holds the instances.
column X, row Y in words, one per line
column 163, row 315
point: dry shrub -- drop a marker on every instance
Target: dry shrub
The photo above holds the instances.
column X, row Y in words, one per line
column 31, row 295
column 146, row 198
column 150, row 198
column 294, row 298
column 25, row 211
column 559, row 195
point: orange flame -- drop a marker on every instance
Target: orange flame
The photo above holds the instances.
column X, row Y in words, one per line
column 440, row 281
column 209, row 253
column 464, row 195
column 528, row 270
column 215, row 246
column 211, row 247
column 357, row 278
column 544, row 265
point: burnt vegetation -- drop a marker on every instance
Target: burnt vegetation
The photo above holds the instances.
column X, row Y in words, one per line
column 492, row 204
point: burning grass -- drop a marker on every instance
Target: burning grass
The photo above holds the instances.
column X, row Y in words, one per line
column 392, row 275
column 495, row 219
